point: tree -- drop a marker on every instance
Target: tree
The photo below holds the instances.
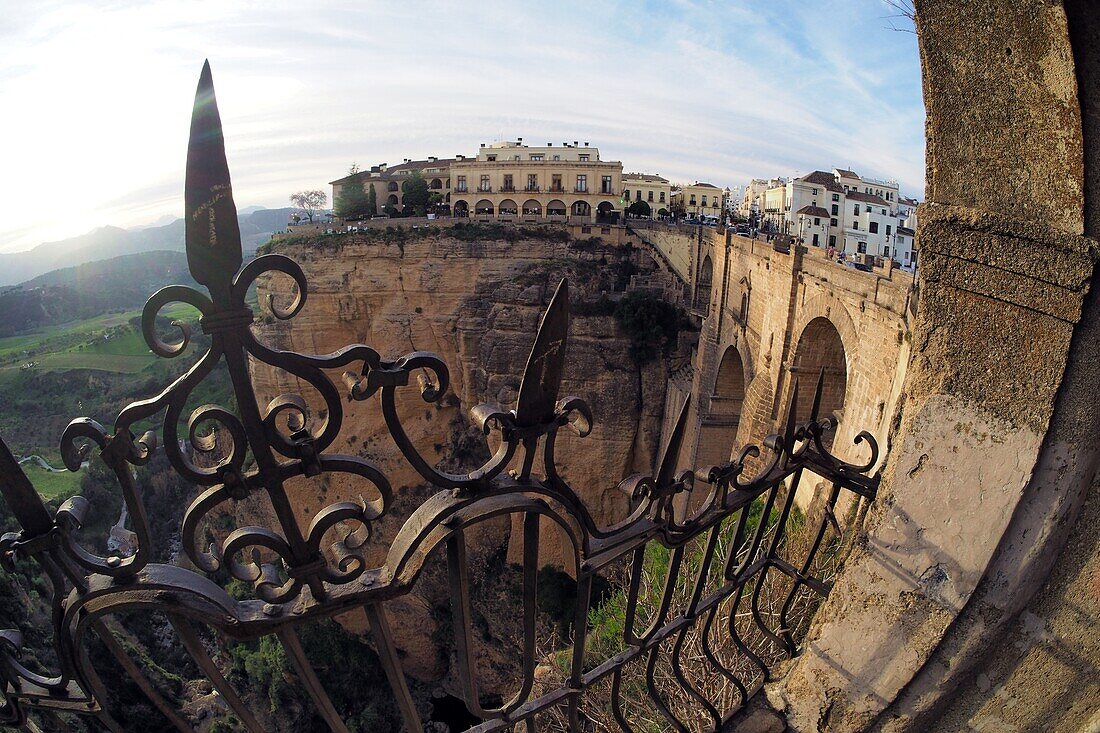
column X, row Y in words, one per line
column 415, row 194
column 351, row 201
column 639, row 208
column 372, row 202
column 309, row 201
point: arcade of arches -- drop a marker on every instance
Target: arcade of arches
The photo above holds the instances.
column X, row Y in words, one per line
column 969, row 601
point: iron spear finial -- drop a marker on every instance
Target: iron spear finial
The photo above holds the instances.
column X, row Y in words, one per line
column 212, row 233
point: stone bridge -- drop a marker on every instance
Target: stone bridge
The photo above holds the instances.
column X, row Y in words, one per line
column 770, row 315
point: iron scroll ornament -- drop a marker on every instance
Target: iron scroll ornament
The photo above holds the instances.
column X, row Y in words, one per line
column 298, row 575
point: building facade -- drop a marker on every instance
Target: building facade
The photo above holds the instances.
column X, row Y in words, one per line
column 510, row 181
column 387, row 181
column 843, row 211
column 699, row 199
column 652, row 189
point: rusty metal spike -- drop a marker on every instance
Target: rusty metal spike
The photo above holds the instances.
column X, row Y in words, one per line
column 671, row 456
column 20, row 496
column 817, row 395
column 213, row 235
column 538, row 392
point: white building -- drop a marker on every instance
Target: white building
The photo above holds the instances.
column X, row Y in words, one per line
column 840, row 210
column 652, row 189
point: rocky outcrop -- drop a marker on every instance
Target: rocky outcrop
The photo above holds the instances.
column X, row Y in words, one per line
column 476, row 304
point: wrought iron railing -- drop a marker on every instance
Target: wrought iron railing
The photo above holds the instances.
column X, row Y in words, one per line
column 734, row 596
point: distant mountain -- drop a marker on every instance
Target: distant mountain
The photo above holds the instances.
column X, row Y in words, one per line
column 107, row 242
column 92, row 289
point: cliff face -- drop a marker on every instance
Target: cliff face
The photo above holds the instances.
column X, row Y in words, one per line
column 476, row 305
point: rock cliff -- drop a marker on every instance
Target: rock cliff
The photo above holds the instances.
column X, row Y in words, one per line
column 475, row 303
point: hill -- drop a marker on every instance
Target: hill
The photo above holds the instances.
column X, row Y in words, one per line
column 89, row 290
column 107, row 242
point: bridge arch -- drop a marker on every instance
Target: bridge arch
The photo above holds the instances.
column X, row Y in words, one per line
column 718, row 436
column 820, row 347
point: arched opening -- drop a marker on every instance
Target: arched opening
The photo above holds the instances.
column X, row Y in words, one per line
column 436, row 184
column 556, row 208
column 719, row 429
column 393, row 186
column 508, row 208
column 392, row 199
column 582, row 208
column 819, row 347
column 461, row 209
column 605, row 213
column 532, row 208
column 484, row 208
column 702, row 287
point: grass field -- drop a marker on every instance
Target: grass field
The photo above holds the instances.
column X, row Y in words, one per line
column 51, row 485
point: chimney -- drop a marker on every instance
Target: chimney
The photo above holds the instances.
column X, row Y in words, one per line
column 575, row 143
column 549, row 145
column 586, row 143
column 483, row 145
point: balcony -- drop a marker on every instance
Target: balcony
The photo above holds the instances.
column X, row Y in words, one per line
column 531, row 189
column 507, row 189
column 579, row 189
column 484, row 189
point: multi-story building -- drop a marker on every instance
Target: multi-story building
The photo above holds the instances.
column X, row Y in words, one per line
column 510, row 181
column 698, row 199
column 752, row 201
column 841, row 210
column 653, row 189
column 387, row 180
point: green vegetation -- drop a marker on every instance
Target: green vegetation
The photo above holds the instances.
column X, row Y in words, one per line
column 651, row 323
column 52, row 485
column 639, row 208
column 415, row 195
column 351, row 201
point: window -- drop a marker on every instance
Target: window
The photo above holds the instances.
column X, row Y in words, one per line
column 888, row 230
column 484, row 183
column 884, row 212
column 584, row 158
column 650, row 196
column 515, row 157
column 816, row 243
column 836, row 209
column 832, row 222
column 638, row 195
column 832, row 240
column 855, row 225
column 582, row 183
column 692, row 202
column 873, row 227
column 867, row 207
column 836, row 197
column 814, row 191
column 537, row 156
column 885, row 251
column 461, row 184
column 906, row 256
column 705, row 200
column 555, row 183
column 491, row 158
column 855, row 209
column 914, row 258
column 626, row 194
column 662, row 197
column 817, row 222
column 507, row 183
column 393, row 186
column 557, row 157
column 532, row 182
column 605, row 184
column 861, row 248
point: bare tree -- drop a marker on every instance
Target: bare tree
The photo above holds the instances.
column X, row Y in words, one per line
column 309, row 201
column 903, row 10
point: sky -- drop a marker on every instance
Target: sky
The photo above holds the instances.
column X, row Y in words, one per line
column 96, row 97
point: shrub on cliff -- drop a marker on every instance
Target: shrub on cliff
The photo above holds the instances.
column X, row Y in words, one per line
column 651, row 323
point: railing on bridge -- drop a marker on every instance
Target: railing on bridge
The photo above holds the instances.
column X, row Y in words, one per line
column 740, row 570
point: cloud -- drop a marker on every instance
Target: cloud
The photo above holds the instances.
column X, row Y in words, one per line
column 98, row 95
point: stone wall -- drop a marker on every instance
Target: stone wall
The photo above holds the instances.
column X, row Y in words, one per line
column 971, row 603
